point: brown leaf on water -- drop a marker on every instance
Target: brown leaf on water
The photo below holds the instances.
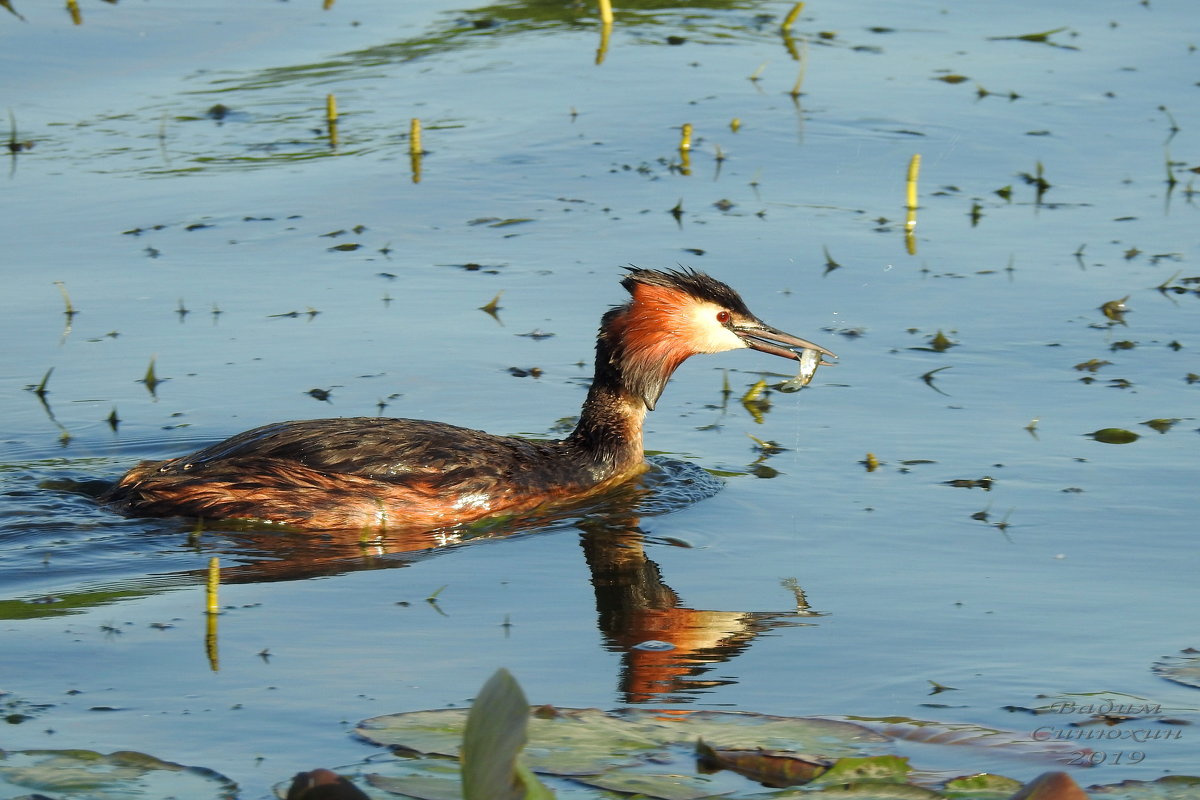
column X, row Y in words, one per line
column 774, row 768
column 1091, row 365
column 1051, row 786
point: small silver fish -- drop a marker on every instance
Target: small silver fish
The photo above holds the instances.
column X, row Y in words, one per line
column 809, row 361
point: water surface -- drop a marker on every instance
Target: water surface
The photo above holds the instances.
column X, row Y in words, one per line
column 207, row 241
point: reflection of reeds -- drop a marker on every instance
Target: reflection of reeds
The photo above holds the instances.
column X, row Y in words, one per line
column 910, row 202
column 801, row 55
column 414, row 137
column 605, row 35
column 331, row 116
column 685, row 149
column 415, row 151
column 914, row 169
column 40, row 389
column 792, row 16
column 151, row 379
column 211, row 644
column 606, row 13
column 69, row 309
column 211, row 604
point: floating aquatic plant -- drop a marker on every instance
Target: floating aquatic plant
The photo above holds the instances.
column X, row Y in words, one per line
column 1114, row 436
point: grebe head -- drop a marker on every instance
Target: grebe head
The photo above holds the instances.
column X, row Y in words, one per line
column 674, row 314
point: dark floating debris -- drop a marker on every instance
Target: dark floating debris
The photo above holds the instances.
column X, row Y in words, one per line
column 984, row 483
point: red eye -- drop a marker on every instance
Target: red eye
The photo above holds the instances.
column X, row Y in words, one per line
column 723, row 317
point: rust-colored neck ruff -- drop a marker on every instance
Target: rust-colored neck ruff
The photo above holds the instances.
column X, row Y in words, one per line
column 637, row 350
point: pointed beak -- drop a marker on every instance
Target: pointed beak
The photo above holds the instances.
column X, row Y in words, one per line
column 761, row 336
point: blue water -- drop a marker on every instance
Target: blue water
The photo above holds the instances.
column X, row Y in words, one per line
column 1080, row 588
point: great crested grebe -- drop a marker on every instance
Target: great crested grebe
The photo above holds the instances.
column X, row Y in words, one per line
column 377, row 473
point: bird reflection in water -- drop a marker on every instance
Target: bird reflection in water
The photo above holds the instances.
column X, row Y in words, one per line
column 633, row 603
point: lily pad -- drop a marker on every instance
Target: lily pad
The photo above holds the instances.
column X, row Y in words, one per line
column 670, row 786
column 588, row 754
column 587, row 741
column 123, row 775
column 867, row 790
column 423, row 778
column 981, row 785
column 887, row 769
column 632, row 751
column 1172, row 787
column 1183, row 669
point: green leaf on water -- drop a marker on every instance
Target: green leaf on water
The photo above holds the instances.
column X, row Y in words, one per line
column 1114, row 436
column 1029, row 37
column 865, row 790
column 662, row 787
column 40, row 389
column 889, row 769
column 151, row 379
column 983, row 784
column 124, row 774
column 1115, row 309
column 939, row 343
column 1042, row 37
column 587, row 741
